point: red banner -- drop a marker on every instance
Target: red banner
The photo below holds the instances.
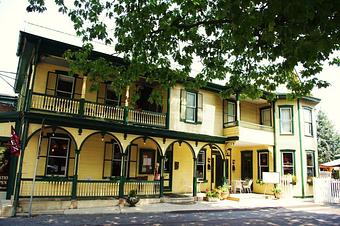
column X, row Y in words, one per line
column 15, row 143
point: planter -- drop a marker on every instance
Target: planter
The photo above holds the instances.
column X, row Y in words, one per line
column 213, row 199
column 133, row 200
column 224, row 195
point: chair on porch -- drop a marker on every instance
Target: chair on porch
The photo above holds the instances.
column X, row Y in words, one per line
column 238, row 186
column 247, row 186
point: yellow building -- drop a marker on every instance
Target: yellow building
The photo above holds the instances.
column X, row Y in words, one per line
column 82, row 144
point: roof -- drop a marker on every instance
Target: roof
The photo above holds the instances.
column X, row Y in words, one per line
column 331, row 163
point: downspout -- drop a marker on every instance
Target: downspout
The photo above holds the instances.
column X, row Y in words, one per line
column 274, row 129
column 301, row 156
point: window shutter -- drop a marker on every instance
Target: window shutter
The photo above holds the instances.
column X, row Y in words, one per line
column 51, row 83
column 183, row 104
column 77, row 88
column 199, row 107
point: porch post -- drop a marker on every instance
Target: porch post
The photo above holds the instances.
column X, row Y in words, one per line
column 75, row 176
column 194, row 190
column 126, row 105
column 122, row 176
column 82, row 99
column 238, row 109
column 161, row 188
column 224, row 171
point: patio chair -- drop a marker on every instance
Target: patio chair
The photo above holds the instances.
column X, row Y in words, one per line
column 247, row 186
column 238, row 186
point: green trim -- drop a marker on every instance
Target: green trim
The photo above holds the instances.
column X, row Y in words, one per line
column 303, row 197
column 4, row 139
column 194, row 182
column 167, row 123
column 314, row 163
column 301, row 150
column 292, row 111
column 121, row 128
column 75, row 176
column 306, row 98
column 275, row 141
column 6, row 99
column 9, row 116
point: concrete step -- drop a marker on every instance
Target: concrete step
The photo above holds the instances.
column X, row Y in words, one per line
column 178, row 200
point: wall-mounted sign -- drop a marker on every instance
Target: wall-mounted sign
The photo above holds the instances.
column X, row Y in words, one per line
column 4, row 168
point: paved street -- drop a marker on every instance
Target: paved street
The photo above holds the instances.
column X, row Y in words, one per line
column 262, row 216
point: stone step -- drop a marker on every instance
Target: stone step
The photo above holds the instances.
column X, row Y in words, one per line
column 178, row 200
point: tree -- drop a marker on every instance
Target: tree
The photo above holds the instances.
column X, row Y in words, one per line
column 254, row 45
column 328, row 138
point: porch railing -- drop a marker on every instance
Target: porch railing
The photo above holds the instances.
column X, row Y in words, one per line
column 147, row 118
column 54, row 104
column 144, row 188
column 48, row 103
column 97, row 188
column 46, row 188
column 62, row 188
column 103, row 111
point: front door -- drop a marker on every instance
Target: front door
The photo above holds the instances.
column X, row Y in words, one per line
column 167, row 171
column 219, row 171
column 246, row 165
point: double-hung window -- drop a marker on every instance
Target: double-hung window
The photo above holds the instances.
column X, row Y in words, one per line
column 57, row 156
column 229, row 113
column 201, row 165
column 288, row 162
column 308, row 121
column 266, row 117
column 112, row 160
column 310, row 164
column 110, row 97
column 65, row 86
column 286, row 120
column 263, row 163
column 191, row 106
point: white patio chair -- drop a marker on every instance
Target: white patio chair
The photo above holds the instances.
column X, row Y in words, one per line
column 238, row 186
column 247, row 186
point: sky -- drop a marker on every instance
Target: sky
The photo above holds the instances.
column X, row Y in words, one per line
column 13, row 18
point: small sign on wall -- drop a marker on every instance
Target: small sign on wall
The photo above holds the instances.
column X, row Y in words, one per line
column 176, row 165
column 271, row 177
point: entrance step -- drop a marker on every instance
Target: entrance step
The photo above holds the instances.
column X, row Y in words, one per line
column 178, row 200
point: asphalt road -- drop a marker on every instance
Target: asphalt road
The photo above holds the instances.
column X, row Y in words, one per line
column 267, row 216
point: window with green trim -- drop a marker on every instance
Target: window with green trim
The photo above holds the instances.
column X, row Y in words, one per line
column 112, row 160
column 57, row 156
column 263, row 163
column 266, row 118
column 308, row 121
column 310, row 163
column 65, row 85
column 286, row 120
column 229, row 113
column 288, row 162
column 200, row 171
column 191, row 106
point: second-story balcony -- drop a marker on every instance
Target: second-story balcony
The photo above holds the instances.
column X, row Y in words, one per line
column 249, row 122
column 87, row 109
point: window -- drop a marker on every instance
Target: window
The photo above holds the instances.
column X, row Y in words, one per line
column 229, row 113
column 200, row 171
column 310, row 164
column 111, row 98
column 308, row 123
column 64, row 86
column 266, row 117
column 191, row 106
column 286, row 120
column 146, row 161
column 263, row 163
column 288, row 162
column 57, row 156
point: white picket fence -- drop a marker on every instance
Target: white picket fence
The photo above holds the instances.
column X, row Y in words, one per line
column 326, row 190
column 286, row 186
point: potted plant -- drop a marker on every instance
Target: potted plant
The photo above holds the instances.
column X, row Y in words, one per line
column 277, row 192
column 212, row 196
column 294, row 180
column 132, row 198
column 224, row 191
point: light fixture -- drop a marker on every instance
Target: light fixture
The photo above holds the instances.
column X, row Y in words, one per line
column 102, row 136
column 144, row 140
column 228, row 152
column 53, row 131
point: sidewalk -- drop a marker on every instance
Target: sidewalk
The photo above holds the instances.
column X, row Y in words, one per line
column 251, row 201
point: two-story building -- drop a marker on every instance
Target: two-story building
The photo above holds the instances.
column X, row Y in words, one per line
column 81, row 144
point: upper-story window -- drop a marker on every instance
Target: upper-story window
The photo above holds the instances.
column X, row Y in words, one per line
column 286, row 120
column 266, row 117
column 308, row 121
column 191, row 106
column 230, row 112
column 65, row 85
column 110, row 97
column 288, row 162
column 201, row 165
column 57, row 156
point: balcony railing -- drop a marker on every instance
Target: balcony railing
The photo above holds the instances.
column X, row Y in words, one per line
column 42, row 102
